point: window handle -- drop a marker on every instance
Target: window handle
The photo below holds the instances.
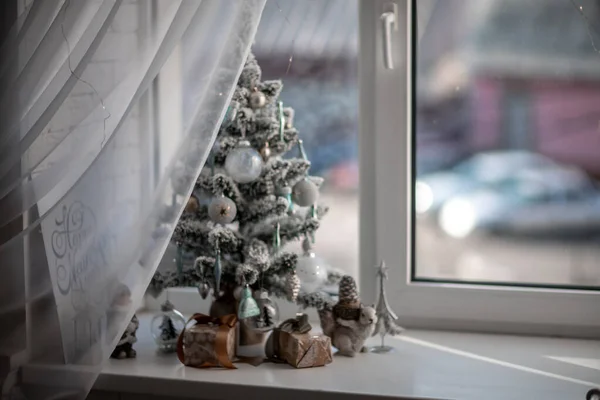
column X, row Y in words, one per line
column 389, row 20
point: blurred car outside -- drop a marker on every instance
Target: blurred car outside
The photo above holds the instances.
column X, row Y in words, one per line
column 544, row 201
column 484, row 169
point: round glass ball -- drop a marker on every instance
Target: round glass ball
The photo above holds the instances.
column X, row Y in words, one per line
column 312, row 271
column 244, row 164
column 165, row 328
column 305, row 193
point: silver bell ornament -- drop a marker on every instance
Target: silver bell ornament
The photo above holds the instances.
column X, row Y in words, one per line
column 311, row 269
column 305, row 193
column 243, row 163
column 166, row 327
column 222, row 210
column 257, row 99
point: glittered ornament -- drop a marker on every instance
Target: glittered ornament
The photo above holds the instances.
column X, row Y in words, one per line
column 222, row 210
column 203, row 289
column 265, row 152
column 292, row 286
column 305, row 193
column 243, row 163
column 248, row 307
column 258, row 99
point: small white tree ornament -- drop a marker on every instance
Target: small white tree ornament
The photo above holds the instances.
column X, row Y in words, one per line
column 386, row 318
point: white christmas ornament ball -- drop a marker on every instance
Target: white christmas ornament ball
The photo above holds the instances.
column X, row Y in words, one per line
column 312, row 271
column 222, row 210
column 305, row 193
column 244, row 164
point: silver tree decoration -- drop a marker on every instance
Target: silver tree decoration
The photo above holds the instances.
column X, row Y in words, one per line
column 386, row 318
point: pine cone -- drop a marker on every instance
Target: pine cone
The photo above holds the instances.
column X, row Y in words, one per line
column 348, row 293
column 292, row 286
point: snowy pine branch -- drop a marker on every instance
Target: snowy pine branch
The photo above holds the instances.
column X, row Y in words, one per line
column 227, row 240
column 296, row 170
column 263, row 186
column 271, row 89
column 257, row 254
column 226, row 144
column 223, row 184
column 283, row 264
column 318, row 300
column 191, row 234
column 246, row 275
column 334, row 276
column 263, row 209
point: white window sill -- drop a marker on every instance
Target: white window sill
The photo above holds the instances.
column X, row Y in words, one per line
column 426, row 364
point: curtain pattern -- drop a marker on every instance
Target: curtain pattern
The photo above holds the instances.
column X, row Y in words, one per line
column 95, row 168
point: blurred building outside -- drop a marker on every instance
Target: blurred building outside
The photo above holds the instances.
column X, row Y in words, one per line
column 509, row 74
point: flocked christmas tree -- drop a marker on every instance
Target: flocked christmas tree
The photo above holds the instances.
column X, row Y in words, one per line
column 167, row 330
column 249, row 202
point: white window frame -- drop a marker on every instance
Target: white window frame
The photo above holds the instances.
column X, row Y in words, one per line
column 385, row 161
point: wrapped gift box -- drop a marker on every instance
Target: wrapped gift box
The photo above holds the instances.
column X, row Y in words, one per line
column 293, row 343
column 208, row 343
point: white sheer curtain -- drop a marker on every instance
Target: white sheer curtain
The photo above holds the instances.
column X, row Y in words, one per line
column 97, row 163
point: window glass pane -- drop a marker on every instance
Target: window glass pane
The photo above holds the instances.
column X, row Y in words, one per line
column 321, row 85
column 507, row 142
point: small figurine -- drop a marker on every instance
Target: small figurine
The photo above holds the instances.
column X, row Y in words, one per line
column 124, row 348
column 120, row 305
column 349, row 323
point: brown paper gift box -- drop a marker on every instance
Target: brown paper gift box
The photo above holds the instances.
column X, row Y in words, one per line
column 303, row 350
column 209, row 343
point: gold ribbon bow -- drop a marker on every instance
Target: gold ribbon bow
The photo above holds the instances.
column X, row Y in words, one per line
column 225, row 324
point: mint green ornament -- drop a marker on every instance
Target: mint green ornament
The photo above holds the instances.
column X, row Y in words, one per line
column 248, row 307
column 217, row 272
column 277, row 238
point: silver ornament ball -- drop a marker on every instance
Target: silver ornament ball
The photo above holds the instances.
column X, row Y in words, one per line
column 244, row 164
column 258, row 99
column 222, row 210
column 305, row 193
